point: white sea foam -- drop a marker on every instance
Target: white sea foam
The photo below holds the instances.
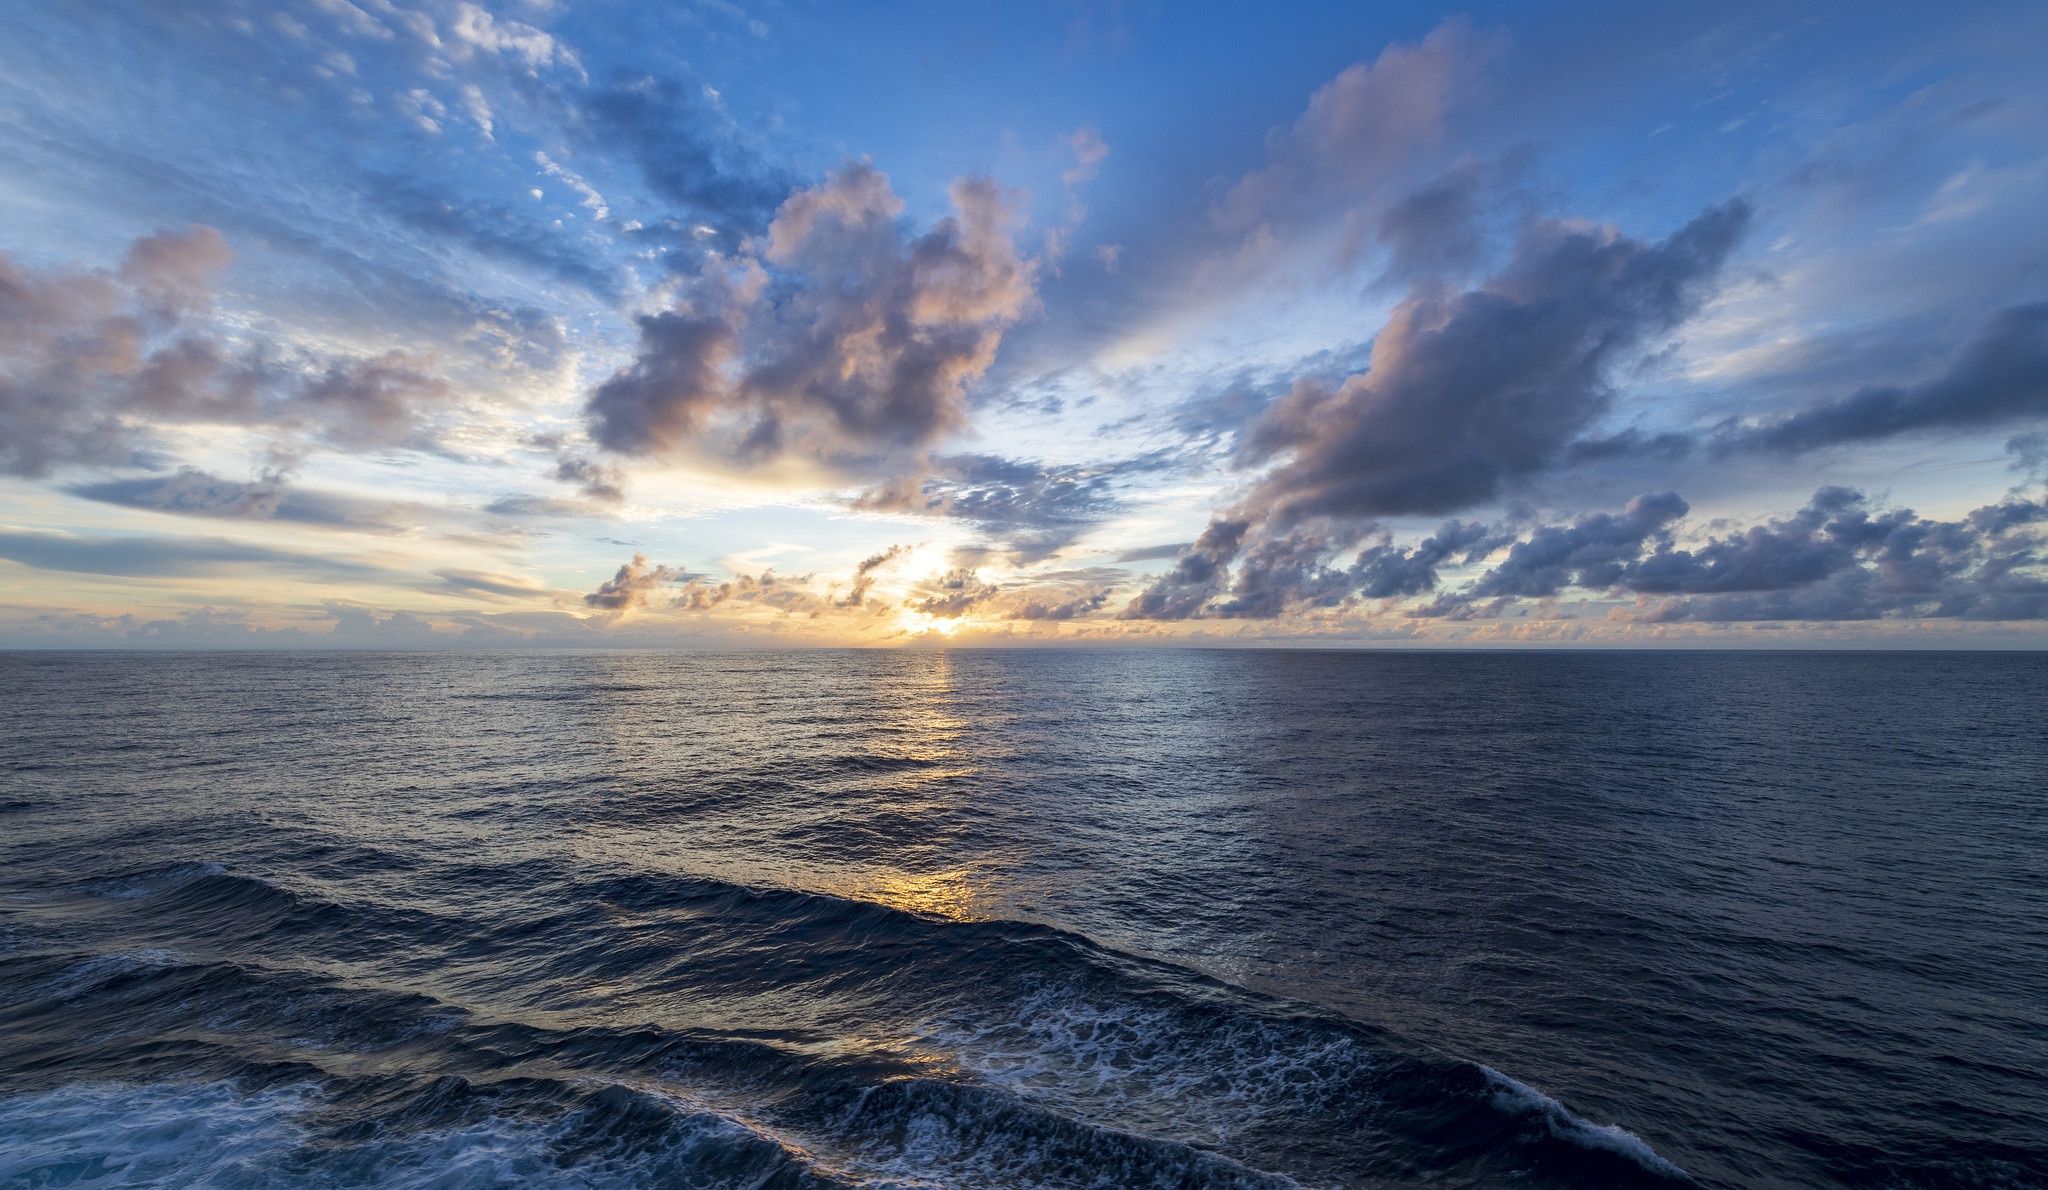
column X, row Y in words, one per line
column 214, row 1134
column 1153, row 1067
column 1523, row 1099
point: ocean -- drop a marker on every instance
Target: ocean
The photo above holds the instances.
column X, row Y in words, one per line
column 1024, row 918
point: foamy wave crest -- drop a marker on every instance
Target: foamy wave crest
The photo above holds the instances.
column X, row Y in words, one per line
column 1522, row 1099
column 1155, row 1064
column 209, row 1134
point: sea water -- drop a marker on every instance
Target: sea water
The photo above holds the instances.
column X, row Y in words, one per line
column 967, row 918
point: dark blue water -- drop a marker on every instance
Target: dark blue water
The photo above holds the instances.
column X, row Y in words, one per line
column 1024, row 919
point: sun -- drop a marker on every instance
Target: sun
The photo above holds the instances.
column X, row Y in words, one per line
column 924, row 624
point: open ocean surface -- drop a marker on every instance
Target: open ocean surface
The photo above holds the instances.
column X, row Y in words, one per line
column 1013, row 919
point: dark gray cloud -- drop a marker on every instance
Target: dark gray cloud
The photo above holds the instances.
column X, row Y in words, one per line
column 1838, row 558
column 1436, row 231
column 1596, row 551
column 1465, row 394
column 847, row 341
column 1386, row 571
column 192, row 492
column 1199, row 576
column 2000, row 376
column 1835, row 559
column 1468, row 393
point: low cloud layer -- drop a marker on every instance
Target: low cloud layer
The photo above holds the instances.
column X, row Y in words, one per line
column 1838, row 558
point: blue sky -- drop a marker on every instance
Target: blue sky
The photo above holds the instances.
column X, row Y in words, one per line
column 603, row 323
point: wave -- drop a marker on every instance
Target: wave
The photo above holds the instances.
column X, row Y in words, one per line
column 857, row 1040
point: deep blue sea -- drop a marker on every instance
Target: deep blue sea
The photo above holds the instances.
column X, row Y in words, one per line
column 1019, row 919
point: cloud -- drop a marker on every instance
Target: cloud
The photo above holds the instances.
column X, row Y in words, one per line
column 1465, row 394
column 474, row 29
column 1089, row 151
column 844, row 341
column 497, row 231
column 788, row 595
column 1596, row 551
column 1998, row 377
column 594, row 479
column 635, row 585
column 1074, row 608
column 1196, row 578
column 688, row 150
column 1835, row 559
column 194, row 493
column 864, row 575
column 369, row 402
column 163, row 557
column 1031, row 509
column 89, row 360
column 954, row 594
column 1361, row 128
column 1152, row 553
column 1436, row 230
column 479, row 582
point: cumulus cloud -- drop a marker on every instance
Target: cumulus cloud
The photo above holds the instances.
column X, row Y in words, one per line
column 1200, row 574
column 845, row 340
column 954, row 594
column 90, row 359
column 635, row 585
column 1837, row 558
column 786, row 594
column 1467, row 393
column 1596, row 551
column 1463, row 396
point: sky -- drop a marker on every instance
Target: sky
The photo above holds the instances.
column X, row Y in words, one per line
column 412, row 323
